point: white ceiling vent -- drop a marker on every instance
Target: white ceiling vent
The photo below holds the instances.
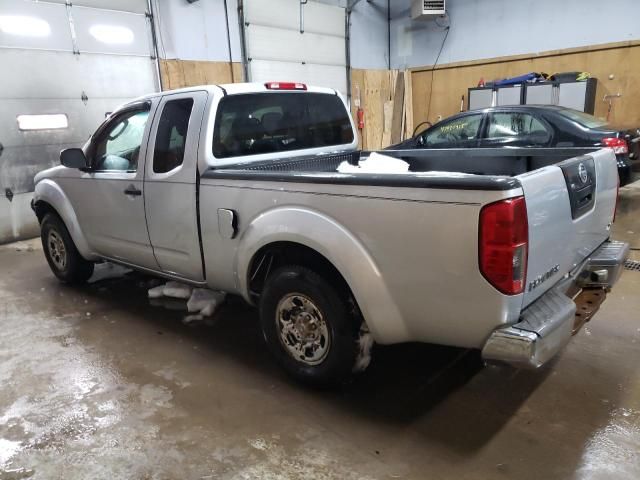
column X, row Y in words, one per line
column 425, row 9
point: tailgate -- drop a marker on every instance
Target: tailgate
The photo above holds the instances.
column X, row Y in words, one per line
column 570, row 208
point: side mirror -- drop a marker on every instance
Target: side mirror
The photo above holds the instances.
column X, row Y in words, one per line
column 73, row 158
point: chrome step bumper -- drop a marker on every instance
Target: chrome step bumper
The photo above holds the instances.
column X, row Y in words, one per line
column 604, row 266
column 546, row 325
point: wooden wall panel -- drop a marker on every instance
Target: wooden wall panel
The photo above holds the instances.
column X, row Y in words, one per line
column 450, row 82
column 187, row 73
column 381, row 103
column 374, row 89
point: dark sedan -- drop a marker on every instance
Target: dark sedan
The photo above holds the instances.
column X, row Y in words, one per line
column 525, row 126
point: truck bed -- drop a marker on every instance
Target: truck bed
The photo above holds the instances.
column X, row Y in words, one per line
column 424, row 237
column 486, row 167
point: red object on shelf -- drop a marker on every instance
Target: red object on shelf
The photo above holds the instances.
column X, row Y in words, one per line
column 481, row 82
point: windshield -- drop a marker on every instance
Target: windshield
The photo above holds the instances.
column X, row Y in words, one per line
column 250, row 124
column 583, row 119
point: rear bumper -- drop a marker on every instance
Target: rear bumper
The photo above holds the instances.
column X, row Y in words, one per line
column 546, row 325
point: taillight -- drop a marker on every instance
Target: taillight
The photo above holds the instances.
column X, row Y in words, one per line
column 619, row 145
column 285, row 86
column 504, row 233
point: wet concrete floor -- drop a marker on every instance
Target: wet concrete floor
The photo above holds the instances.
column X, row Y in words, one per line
column 96, row 383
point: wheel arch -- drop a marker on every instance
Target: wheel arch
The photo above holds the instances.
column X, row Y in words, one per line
column 313, row 239
column 48, row 197
column 278, row 254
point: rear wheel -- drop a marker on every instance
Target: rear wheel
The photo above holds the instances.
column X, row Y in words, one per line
column 61, row 253
column 308, row 326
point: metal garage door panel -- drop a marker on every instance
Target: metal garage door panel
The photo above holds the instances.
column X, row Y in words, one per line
column 318, row 17
column 82, row 119
column 104, row 31
column 63, row 75
column 39, row 25
column 291, row 46
column 26, row 153
column 318, row 75
column 20, row 165
column 135, row 6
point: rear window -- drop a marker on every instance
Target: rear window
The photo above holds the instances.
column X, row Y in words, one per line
column 250, row 124
column 583, row 119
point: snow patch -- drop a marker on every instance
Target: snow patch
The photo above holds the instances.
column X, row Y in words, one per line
column 201, row 302
column 177, row 290
column 375, row 163
column 192, row 318
column 365, row 344
column 156, row 292
column 205, row 301
column 8, row 449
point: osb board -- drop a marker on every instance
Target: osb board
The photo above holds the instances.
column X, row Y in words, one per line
column 449, row 84
column 357, row 88
column 387, row 119
column 398, row 107
column 376, row 88
column 408, row 105
column 188, row 73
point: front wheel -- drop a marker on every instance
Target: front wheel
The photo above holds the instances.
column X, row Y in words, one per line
column 61, row 253
column 309, row 326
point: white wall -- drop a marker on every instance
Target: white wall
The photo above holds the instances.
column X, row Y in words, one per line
column 369, row 37
column 479, row 29
column 494, row 28
column 197, row 31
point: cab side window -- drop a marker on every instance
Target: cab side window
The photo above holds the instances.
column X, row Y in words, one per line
column 172, row 135
column 453, row 132
column 118, row 147
column 517, row 127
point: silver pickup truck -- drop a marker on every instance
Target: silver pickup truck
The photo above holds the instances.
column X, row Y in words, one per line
column 237, row 188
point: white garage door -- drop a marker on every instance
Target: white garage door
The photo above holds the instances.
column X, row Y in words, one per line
column 277, row 51
column 64, row 67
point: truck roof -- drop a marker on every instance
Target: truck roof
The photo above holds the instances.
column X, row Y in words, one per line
column 236, row 88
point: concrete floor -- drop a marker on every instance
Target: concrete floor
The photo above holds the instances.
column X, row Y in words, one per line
column 97, row 383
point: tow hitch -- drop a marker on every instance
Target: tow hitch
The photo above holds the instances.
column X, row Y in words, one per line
column 587, row 302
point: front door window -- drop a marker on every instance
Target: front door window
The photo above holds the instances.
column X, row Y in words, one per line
column 118, row 147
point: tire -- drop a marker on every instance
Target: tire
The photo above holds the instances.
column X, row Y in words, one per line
column 294, row 300
column 61, row 253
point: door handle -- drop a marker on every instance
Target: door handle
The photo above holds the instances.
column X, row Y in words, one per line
column 132, row 190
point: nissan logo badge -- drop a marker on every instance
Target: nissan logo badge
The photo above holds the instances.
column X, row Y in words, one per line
column 582, row 172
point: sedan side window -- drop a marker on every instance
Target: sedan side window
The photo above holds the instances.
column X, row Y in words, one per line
column 523, row 128
column 119, row 145
column 455, row 131
column 172, row 135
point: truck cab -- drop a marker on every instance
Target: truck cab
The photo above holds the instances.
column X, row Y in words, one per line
column 134, row 197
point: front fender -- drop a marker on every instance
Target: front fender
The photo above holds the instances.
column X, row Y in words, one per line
column 48, row 191
column 337, row 244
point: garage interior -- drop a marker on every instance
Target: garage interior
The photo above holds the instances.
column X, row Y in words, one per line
column 100, row 381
